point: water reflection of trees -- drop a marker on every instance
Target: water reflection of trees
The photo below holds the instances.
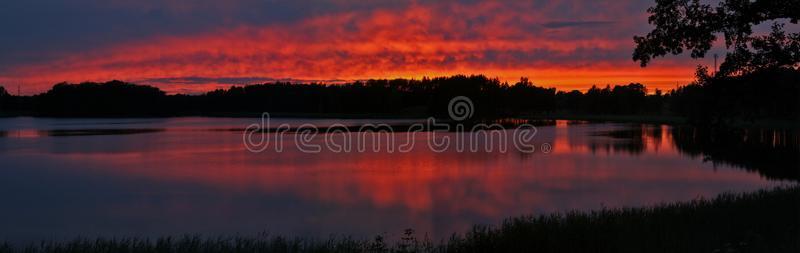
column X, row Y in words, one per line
column 633, row 140
column 771, row 153
column 775, row 154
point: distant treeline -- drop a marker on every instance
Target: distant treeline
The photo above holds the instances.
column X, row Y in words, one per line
column 773, row 94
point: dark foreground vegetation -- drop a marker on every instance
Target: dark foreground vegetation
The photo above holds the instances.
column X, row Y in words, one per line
column 769, row 94
column 763, row 221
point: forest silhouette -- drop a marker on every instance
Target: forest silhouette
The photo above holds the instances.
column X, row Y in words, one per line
column 766, row 94
column 759, row 79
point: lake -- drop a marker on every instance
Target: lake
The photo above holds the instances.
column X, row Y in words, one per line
column 65, row 178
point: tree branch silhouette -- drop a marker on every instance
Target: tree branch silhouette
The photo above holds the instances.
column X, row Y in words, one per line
column 689, row 25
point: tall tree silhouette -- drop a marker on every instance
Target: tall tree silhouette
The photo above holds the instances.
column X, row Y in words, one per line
column 759, row 78
column 690, row 25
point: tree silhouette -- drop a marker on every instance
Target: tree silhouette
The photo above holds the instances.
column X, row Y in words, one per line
column 398, row 97
column 4, row 97
column 721, row 100
column 740, row 97
column 114, row 98
column 776, row 50
column 690, row 25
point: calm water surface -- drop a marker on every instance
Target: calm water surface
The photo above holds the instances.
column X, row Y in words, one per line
column 64, row 178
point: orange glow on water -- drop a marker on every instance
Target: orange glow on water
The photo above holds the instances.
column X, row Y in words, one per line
column 187, row 178
column 489, row 184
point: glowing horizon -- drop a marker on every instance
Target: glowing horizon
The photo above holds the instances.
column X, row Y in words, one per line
column 413, row 40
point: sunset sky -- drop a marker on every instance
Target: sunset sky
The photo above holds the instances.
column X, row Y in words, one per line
column 190, row 47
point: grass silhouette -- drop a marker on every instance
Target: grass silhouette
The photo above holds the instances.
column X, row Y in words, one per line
column 762, row 221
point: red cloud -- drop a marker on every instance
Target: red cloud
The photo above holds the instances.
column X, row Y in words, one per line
column 497, row 39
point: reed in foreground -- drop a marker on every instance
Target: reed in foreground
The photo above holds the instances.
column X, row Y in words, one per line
column 763, row 221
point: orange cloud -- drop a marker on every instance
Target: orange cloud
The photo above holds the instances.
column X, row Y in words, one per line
column 493, row 38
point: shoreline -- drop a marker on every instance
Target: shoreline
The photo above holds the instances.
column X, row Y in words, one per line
column 602, row 118
column 766, row 220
